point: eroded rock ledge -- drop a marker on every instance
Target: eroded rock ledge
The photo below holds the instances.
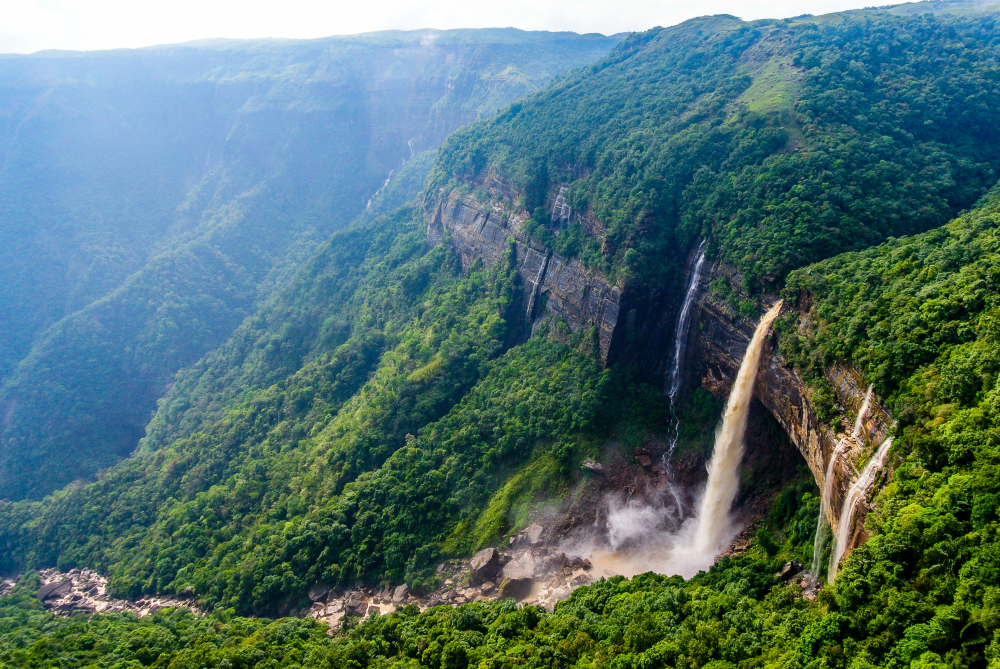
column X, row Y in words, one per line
column 565, row 289
column 716, row 351
column 553, row 286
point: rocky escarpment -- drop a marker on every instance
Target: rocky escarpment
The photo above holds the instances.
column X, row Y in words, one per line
column 637, row 327
column 717, row 346
column 554, row 287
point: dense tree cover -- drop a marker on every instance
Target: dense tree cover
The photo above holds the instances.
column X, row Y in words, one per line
column 149, row 197
column 918, row 316
column 784, row 142
column 363, row 424
column 738, row 614
column 920, row 593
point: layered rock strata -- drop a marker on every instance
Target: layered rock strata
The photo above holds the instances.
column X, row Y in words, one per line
column 634, row 327
column 554, row 287
column 717, row 346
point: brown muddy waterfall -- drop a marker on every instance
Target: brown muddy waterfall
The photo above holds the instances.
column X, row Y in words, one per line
column 714, row 527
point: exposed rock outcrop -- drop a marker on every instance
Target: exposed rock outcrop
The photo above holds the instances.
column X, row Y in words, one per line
column 553, row 286
column 717, row 347
column 86, row 591
column 566, row 290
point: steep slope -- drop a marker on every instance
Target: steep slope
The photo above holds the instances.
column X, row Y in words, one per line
column 783, row 142
column 387, row 408
column 917, row 315
column 152, row 197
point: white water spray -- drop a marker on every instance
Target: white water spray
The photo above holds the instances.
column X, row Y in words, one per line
column 714, row 524
column 639, row 537
column 857, row 493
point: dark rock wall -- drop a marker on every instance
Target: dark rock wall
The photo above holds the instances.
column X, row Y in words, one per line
column 717, row 344
column 553, row 286
column 637, row 327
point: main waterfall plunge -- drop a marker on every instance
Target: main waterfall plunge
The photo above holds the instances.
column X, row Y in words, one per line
column 639, row 542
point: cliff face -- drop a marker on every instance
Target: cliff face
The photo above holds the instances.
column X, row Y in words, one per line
column 553, row 286
column 717, row 344
column 638, row 328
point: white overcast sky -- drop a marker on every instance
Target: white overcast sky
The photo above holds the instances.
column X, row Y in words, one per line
column 32, row 25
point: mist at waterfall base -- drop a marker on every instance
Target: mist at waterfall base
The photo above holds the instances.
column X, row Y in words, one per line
column 633, row 536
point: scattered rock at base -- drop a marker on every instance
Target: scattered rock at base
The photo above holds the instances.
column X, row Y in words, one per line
column 789, row 570
column 645, row 461
column 318, row 592
column 484, row 565
column 400, row 594
column 534, row 532
column 518, row 588
column 593, row 466
column 54, row 590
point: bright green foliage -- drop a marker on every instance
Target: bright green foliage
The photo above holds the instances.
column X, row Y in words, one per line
column 784, row 142
column 354, row 428
column 919, row 318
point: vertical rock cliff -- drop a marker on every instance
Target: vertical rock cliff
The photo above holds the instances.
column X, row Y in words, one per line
column 635, row 327
column 554, row 287
column 717, row 347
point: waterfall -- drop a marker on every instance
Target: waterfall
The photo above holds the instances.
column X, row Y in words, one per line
column 857, row 493
column 723, row 480
column 680, row 335
column 674, row 376
column 822, row 525
column 825, row 510
column 859, row 421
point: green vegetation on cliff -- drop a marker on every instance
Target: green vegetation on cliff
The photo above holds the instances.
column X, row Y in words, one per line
column 784, row 142
column 360, row 426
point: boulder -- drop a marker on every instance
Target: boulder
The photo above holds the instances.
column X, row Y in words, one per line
column 54, row 590
column 355, row 604
column 318, row 593
column 579, row 579
column 534, row 532
column 645, row 461
column 789, row 570
column 593, row 466
column 400, row 594
column 518, row 575
column 518, row 588
column 486, row 587
column 484, row 565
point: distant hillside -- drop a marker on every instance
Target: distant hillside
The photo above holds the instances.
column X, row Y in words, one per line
column 151, row 198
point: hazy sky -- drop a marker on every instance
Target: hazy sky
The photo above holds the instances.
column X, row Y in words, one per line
column 32, row 25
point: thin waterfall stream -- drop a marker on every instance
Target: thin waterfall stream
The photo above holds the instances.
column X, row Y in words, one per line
column 825, row 508
column 857, row 494
column 674, row 377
